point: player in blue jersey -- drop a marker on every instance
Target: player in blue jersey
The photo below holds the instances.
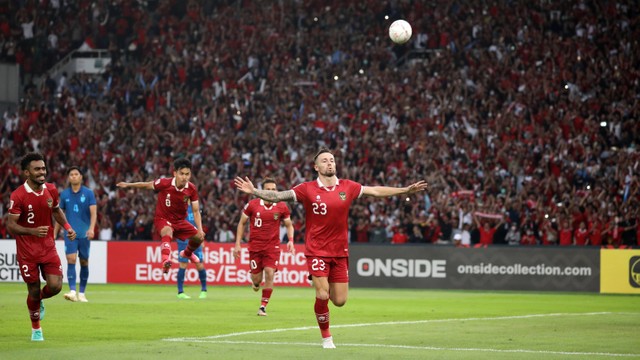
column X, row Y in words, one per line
column 79, row 205
column 202, row 273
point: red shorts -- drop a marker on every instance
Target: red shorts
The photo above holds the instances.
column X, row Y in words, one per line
column 334, row 268
column 48, row 265
column 262, row 259
column 182, row 229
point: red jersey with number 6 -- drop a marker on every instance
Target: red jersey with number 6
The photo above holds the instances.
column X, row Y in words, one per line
column 34, row 209
column 327, row 216
column 172, row 202
column 264, row 224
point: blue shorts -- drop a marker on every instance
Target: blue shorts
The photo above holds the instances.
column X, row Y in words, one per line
column 182, row 244
column 79, row 245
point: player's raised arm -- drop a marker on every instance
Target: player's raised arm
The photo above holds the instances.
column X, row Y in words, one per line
column 136, row 185
column 386, row 191
column 246, row 186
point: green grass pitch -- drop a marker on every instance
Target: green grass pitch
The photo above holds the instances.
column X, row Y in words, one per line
column 149, row 322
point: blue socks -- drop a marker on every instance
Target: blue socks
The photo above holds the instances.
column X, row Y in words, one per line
column 71, row 276
column 181, row 273
column 203, row 279
column 84, row 277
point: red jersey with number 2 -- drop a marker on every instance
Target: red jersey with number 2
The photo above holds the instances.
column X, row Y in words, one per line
column 173, row 202
column 35, row 209
column 327, row 216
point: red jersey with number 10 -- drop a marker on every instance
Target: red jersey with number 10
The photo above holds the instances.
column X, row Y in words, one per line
column 264, row 224
column 35, row 209
column 172, row 202
column 327, row 216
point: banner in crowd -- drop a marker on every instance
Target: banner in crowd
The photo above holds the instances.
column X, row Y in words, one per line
column 620, row 271
column 139, row 262
column 496, row 268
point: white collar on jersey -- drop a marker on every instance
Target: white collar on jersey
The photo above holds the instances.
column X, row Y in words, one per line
column 321, row 185
column 173, row 182
column 30, row 190
column 265, row 206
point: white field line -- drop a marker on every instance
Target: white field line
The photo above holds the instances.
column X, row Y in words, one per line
column 215, row 338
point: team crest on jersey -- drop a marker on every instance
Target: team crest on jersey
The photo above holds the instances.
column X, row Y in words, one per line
column 50, row 202
column 186, row 199
column 343, row 195
column 276, row 216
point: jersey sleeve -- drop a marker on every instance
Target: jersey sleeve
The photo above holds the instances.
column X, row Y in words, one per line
column 300, row 191
column 159, row 185
column 286, row 213
column 247, row 209
column 15, row 204
column 194, row 194
column 63, row 204
column 356, row 189
column 90, row 195
column 53, row 190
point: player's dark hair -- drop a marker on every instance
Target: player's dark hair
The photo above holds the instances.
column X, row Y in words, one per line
column 71, row 168
column 320, row 152
column 28, row 158
column 181, row 163
column 268, row 180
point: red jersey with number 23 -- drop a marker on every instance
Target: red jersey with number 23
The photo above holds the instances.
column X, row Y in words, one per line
column 264, row 224
column 35, row 209
column 173, row 202
column 327, row 216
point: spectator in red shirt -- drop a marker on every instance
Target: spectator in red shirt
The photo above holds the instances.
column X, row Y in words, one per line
column 566, row 234
column 399, row 236
column 581, row 235
column 486, row 231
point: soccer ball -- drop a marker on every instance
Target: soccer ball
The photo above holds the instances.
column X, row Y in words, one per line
column 400, row 31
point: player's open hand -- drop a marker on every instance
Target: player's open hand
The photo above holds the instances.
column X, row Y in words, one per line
column 245, row 185
column 291, row 248
column 90, row 234
column 122, row 184
column 417, row 187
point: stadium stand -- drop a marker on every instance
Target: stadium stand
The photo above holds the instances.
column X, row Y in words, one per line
column 515, row 112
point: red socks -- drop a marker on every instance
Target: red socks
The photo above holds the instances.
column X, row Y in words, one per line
column 191, row 247
column 321, row 308
column 266, row 295
column 34, row 312
column 165, row 247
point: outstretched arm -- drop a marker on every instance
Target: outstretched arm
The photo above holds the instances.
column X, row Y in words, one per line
column 246, row 186
column 136, row 185
column 386, row 191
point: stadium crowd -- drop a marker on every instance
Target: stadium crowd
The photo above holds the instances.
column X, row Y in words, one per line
column 522, row 115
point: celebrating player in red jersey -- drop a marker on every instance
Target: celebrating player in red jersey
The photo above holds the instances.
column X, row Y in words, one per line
column 31, row 209
column 264, row 240
column 174, row 195
column 326, row 202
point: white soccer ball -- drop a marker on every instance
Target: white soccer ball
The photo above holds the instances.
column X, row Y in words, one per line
column 400, row 31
